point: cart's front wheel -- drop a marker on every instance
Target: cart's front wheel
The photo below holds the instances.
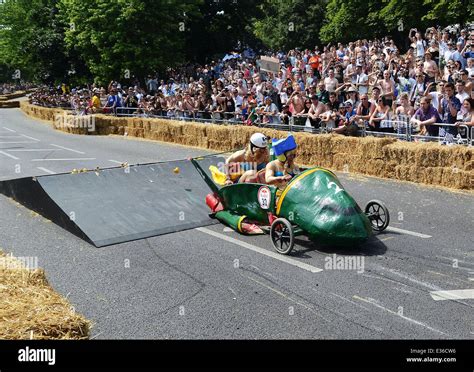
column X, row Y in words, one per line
column 378, row 215
column 282, row 235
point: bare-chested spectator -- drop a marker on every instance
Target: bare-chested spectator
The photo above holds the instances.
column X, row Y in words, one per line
column 331, row 82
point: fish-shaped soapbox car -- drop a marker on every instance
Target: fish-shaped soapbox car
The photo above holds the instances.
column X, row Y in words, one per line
column 314, row 203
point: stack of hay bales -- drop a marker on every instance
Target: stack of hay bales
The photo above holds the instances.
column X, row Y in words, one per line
column 31, row 309
column 427, row 163
column 9, row 104
column 7, row 97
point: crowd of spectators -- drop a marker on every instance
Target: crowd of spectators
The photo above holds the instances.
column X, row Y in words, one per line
column 12, row 88
column 365, row 84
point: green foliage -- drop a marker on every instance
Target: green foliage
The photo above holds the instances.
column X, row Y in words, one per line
column 75, row 40
column 290, row 23
column 445, row 12
column 349, row 20
column 32, row 39
column 126, row 38
column 217, row 27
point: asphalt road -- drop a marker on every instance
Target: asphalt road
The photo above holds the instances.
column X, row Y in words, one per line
column 211, row 283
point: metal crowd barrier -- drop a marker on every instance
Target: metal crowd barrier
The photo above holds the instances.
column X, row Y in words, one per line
column 456, row 138
column 403, row 128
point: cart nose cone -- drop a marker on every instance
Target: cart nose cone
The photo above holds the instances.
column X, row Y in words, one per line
column 347, row 228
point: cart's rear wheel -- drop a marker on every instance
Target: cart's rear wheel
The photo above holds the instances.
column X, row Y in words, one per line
column 378, row 215
column 282, row 235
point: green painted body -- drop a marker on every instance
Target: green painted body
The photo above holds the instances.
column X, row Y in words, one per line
column 314, row 201
column 242, row 199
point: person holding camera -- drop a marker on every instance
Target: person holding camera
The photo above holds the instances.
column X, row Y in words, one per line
column 449, row 107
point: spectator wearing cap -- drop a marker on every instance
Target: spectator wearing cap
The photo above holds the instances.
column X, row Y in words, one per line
column 425, row 116
column 348, row 125
column 95, row 104
column 351, row 95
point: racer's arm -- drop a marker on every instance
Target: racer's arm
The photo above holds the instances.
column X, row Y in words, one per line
column 270, row 177
column 236, row 157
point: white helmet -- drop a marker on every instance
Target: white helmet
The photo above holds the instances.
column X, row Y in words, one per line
column 259, row 140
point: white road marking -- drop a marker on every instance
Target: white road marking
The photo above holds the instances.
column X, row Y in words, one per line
column 10, row 130
column 69, row 159
column 374, row 303
column 456, row 294
column 233, row 292
column 46, row 170
column 254, row 248
column 345, row 299
column 34, row 139
column 116, row 162
column 408, row 232
column 66, row 148
column 17, row 142
column 471, row 279
column 33, row 150
column 411, row 278
column 9, row 155
column 10, row 136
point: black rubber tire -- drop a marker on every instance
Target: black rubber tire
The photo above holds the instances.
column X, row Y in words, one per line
column 378, row 215
column 282, row 235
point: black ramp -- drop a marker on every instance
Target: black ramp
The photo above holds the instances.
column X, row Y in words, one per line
column 117, row 205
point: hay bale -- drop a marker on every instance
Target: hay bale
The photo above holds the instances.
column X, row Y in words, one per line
column 7, row 104
column 31, row 309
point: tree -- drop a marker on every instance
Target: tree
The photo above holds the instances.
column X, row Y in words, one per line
column 126, row 38
column 31, row 40
column 349, row 20
column 217, row 27
column 446, row 12
column 290, row 23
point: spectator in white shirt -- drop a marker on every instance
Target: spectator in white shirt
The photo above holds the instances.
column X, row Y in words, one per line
column 361, row 81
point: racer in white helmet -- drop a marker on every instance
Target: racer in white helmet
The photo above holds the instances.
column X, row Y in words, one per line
column 245, row 163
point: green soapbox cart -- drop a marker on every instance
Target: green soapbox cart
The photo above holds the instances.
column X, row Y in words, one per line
column 314, row 204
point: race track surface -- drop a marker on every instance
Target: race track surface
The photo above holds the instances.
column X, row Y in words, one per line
column 211, row 283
